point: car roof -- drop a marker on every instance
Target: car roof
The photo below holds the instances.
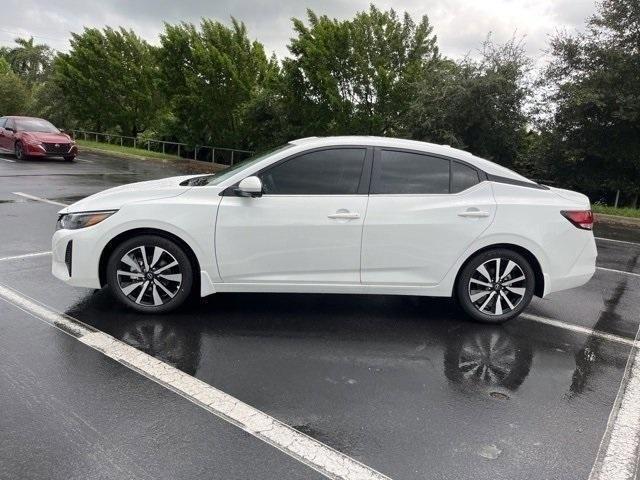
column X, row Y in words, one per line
column 23, row 117
column 433, row 148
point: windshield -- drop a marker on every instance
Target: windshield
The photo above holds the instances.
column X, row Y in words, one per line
column 222, row 175
column 35, row 125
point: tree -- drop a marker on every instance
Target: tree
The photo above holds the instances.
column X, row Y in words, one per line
column 13, row 92
column 109, row 80
column 478, row 105
column 29, row 60
column 208, row 76
column 47, row 101
column 595, row 85
column 355, row 76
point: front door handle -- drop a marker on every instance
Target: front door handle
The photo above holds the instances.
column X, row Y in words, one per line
column 473, row 214
column 344, row 215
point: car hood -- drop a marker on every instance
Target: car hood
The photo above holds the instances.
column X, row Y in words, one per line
column 115, row 198
column 46, row 137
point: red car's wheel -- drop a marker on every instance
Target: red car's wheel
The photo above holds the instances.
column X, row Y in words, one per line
column 19, row 151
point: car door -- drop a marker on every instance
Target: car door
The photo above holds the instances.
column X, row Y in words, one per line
column 305, row 228
column 424, row 211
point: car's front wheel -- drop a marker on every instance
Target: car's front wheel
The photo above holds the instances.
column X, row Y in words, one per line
column 149, row 273
column 495, row 285
column 19, row 151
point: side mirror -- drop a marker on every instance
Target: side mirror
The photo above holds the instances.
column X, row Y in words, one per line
column 9, row 129
column 249, row 187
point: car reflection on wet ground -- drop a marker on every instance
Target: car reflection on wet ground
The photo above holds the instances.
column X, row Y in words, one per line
column 405, row 385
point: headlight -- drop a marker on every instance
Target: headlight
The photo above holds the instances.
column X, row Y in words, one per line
column 73, row 221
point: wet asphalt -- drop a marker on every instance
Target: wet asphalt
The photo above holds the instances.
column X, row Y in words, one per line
column 379, row 378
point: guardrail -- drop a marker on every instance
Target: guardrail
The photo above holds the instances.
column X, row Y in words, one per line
column 205, row 153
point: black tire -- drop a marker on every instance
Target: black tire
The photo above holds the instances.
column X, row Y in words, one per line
column 70, row 158
column 507, row 297
column 19, row 151
column 171, row 285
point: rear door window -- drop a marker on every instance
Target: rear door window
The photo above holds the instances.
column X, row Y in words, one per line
column 397, row 172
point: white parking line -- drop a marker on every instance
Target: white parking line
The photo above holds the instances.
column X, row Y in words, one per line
column 578, row 329
column 26, row 255
column 8, row 160
column 39, row 199
column 324, row 459
column 618, row 453
column 616, row 241
column 83, row 160
column 623, row 272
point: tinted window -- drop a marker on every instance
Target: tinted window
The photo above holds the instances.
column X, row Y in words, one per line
column 2, row 122
column 410, row 173
column 325, row 172
column 35, row 125
column 462, row 177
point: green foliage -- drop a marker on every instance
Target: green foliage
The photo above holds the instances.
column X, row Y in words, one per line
column 109, row 79
column 208, row 75
column 14, row 94
column 355, row 76
column 621, row 212
column 475, row 105
column 29, row 60
column 47, row 101
column 596, row 80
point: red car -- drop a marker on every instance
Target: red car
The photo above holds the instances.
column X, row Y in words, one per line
column 34, row 137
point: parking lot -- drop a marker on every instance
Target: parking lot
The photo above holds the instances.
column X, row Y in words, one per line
column 403, row 387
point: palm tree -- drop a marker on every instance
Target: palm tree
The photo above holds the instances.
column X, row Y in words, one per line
column 29, row 60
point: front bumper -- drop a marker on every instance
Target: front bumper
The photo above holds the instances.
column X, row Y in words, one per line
column 36, row 150
column 74, row 258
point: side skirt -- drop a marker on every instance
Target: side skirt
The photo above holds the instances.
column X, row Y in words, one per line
column 419, row 290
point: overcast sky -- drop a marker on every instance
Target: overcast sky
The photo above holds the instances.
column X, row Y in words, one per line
column 460, row 25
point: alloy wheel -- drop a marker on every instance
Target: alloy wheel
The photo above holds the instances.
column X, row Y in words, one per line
column 149, row 275
column 497, row 286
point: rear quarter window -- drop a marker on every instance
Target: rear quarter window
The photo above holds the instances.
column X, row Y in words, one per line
column 463, row 177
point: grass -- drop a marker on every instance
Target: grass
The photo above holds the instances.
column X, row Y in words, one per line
column 621, row 212
column 139, row 152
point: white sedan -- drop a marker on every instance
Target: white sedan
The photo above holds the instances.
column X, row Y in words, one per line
column 334, row 215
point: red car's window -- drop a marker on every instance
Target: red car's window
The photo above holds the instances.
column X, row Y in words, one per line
column 35, row 125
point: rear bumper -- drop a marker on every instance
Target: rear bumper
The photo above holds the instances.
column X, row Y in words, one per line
column 580, row 273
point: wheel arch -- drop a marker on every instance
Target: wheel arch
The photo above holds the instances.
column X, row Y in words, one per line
column 126, row 235
column 531, row 258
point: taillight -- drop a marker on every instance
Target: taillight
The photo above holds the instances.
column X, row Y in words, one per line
column 580, row 218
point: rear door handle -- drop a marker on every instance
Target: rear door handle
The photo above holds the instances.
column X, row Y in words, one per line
column 344, row 215
column 473, row 214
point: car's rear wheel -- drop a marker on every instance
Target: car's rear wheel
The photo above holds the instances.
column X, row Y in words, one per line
column 150, row 274
column 19, row 151
column 495, row 285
